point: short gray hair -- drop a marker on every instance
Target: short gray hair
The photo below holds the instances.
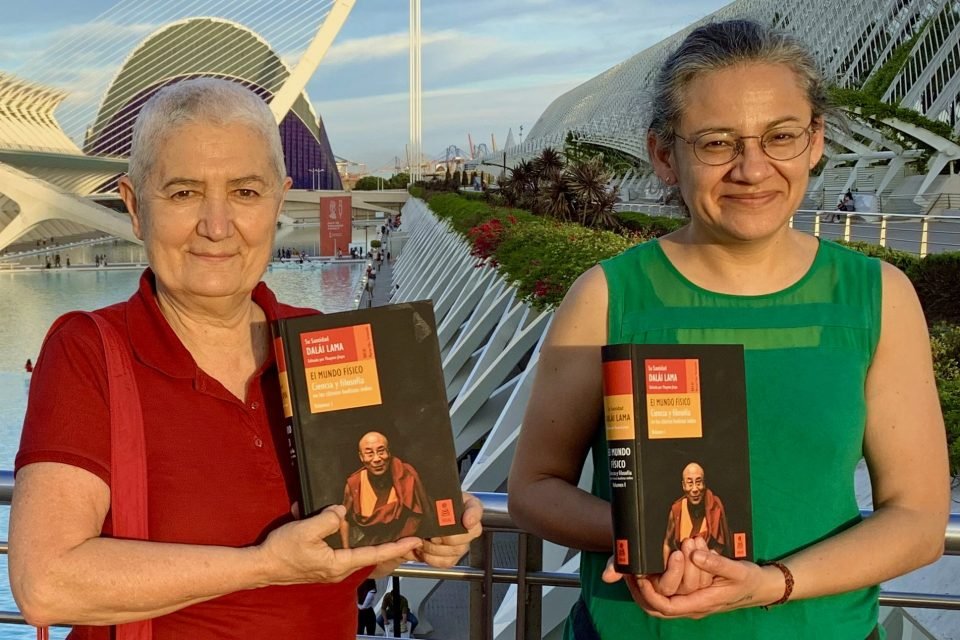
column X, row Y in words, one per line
column 209, row 100
column 719, row 45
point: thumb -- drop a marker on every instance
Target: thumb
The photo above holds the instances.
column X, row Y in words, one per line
column 328, row 521
column 611, row 575
column 715, row 563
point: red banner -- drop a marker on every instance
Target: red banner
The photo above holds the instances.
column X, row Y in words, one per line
column 336, row 230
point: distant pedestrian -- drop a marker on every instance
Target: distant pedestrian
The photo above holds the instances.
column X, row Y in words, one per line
column 366, row 616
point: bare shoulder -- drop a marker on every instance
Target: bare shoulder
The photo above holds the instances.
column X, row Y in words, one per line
column 582, row 316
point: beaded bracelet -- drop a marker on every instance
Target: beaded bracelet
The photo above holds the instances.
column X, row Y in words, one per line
column 788, row 583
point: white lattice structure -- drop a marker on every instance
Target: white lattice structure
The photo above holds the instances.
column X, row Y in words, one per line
column 67, row 130
column 851, row 40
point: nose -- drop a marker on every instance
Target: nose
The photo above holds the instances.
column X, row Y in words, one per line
column 752, row 165
column 216, row 218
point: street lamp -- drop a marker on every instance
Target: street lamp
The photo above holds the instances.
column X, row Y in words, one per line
column 315, row 178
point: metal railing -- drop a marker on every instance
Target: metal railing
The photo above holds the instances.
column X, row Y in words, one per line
column 529, row 575
column 914, row 233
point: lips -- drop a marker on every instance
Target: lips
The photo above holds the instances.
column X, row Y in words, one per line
column 212, row 256
column 751, row 198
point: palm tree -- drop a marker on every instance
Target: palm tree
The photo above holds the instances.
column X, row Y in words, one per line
column 555, row 199
column 548, row 165
column 588, row 184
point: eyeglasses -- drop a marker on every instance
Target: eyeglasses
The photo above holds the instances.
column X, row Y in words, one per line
column 720, row 147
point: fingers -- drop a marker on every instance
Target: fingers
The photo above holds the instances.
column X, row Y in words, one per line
column 672, row 576
column 472, row 511
column 692, row 574
column 718, row 565
column 388, row 552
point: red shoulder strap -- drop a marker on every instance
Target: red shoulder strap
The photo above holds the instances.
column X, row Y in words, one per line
column 128, row 454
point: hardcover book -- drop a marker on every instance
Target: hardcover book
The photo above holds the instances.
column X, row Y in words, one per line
column 677, row 442
column 369, row 423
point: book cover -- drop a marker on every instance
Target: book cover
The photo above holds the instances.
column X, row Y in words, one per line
column 677, row 443
column 369, row 423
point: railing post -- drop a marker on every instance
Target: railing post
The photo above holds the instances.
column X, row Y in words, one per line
column 529, row 597
column 883, row 230
column 846, row 228
column 816, row 224
column 481, row 593
column 924, row 234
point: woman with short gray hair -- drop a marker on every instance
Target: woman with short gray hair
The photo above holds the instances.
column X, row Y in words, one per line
column 221, row 554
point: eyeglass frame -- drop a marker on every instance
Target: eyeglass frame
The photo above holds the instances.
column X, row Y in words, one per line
column 740, row 146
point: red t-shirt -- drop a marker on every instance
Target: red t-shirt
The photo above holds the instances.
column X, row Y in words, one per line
column 217, row 469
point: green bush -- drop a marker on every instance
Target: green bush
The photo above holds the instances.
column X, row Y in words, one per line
column 945, row 345
column 949, row 391
column 374, row 244
column 900, row 259
column 542, row 258
column 937, row 281
column 464, row 213
column 651, row 226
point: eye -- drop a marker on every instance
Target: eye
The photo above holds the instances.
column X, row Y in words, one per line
column 713, row 143
column 247, row 193
column 781, row 136
column 183, row 194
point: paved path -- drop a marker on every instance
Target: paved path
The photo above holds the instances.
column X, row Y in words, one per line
column 382, row 286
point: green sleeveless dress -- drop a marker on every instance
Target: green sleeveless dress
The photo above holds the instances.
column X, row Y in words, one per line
column 807, row 349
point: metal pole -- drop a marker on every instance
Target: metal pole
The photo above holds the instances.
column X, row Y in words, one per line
column 478, row 592
column 924, row 233
column 883, row 230
column 396, row 599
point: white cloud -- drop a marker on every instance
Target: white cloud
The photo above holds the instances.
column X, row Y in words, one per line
column 375, row 129
column 383, row 46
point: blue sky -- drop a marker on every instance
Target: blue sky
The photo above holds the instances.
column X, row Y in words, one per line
column 488, row 65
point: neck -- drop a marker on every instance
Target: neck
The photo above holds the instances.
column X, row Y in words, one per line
column 756, row 267
column 209, row 331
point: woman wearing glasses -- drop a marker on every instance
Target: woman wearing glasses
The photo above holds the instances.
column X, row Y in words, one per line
column 837, row 359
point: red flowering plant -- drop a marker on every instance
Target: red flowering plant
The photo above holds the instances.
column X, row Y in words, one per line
column 486, row 237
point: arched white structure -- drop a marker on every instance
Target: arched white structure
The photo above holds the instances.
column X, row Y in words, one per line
column 852, row 42
column 32, row 139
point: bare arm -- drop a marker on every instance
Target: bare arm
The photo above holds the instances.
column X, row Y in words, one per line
column 61, row 571
column 906, row 454
column 905, row 450
column 559, row 424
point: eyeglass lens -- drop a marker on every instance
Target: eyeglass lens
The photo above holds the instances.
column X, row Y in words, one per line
column 782, row 143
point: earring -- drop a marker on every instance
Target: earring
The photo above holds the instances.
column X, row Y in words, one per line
column 668, row 180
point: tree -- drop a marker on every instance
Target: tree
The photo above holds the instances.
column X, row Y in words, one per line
column 367, row 183
column 398, row 181
column 594, row 200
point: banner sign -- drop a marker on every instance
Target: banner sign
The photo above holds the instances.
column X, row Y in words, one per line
column 336, row 229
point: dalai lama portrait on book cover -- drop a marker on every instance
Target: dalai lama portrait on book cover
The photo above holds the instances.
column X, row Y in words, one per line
column 698, row 512
column 385, row 499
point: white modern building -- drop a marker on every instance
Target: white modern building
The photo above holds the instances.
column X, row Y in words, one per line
column 901, row 166
column 65, row 132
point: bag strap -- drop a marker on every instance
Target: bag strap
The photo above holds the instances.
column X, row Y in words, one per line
column 128, row 454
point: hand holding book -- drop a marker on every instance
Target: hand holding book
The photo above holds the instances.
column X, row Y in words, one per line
column 297, row 552
column 446, row 551
column 734, row 584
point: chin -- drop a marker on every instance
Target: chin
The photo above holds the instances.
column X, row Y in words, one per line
column 218, row 287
